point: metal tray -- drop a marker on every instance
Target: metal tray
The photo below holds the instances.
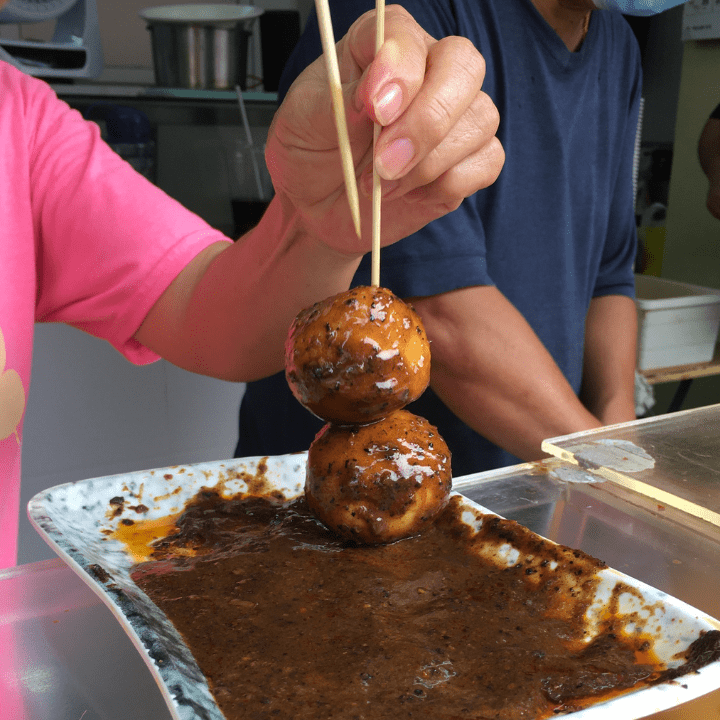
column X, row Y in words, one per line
column 76, row 520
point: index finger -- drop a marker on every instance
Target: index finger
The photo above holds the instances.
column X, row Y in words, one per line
column 417, row 87
column 452, row 83
column 392, row 77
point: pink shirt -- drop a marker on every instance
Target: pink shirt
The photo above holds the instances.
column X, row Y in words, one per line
column 84, row 240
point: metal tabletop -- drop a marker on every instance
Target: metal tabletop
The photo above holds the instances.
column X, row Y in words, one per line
column 65, row 656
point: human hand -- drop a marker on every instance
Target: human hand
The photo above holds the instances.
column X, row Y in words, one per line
column 437, row 145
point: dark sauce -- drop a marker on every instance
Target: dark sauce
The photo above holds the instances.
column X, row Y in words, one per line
column 287, row 621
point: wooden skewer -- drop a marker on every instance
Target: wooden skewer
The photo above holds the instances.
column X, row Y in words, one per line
column 328, row 43
column 377, row 189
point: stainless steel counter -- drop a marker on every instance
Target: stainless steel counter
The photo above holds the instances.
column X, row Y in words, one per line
column 173, row 106
column 65, row 656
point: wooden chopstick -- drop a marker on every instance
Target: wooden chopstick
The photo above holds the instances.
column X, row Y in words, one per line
column 328, row 43
column 377, row 189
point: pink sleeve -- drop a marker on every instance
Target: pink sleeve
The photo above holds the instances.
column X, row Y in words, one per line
column 109, row 242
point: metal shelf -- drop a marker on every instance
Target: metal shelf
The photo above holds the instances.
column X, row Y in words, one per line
column 174, row 106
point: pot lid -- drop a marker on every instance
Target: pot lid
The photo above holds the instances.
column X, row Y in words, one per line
column 200, row 13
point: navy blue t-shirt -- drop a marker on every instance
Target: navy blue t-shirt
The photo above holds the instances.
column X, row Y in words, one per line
column 555, row 230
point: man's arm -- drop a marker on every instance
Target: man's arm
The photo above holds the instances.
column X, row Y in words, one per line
column 709, row 156
column 490, row 368
column 228, row 313
column 610, row 359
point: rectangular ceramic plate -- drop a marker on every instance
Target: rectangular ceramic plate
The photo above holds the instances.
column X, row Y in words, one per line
column 76, row 520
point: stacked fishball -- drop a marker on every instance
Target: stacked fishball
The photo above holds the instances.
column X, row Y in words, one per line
column 376, row 473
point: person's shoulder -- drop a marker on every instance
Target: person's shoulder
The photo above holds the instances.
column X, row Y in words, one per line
column 12, row 77
column 617, row 41
column 22, row 88
column 617, row 28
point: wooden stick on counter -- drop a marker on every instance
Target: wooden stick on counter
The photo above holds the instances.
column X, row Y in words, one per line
column 377, row 189
column 328, row 43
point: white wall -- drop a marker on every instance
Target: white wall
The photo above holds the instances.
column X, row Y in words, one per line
column 91, row 413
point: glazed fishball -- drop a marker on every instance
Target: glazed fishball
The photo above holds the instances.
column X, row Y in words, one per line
column 357, row 356
column 381, row 482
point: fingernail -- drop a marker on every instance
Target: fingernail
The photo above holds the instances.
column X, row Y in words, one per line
column 387, row 103
column 394, row 158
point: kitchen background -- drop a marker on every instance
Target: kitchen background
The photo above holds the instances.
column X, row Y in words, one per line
column 91, row 413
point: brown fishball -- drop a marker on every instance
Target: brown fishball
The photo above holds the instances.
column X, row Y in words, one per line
column 357, row 356
column 381, row 482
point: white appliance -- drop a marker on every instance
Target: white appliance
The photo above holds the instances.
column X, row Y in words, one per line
column 74, row 50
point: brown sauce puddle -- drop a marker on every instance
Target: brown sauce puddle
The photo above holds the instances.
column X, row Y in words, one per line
column 285, row 620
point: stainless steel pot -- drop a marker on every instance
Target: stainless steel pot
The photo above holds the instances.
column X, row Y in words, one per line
column 200, row 46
